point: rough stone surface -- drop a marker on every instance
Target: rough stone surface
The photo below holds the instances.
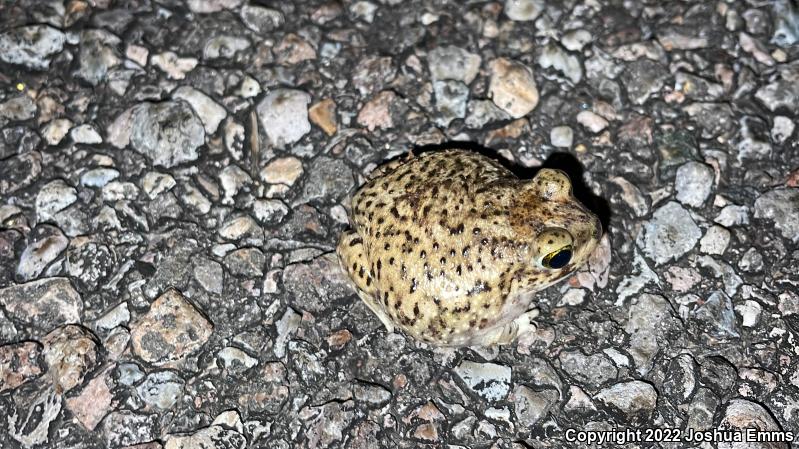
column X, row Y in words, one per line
column 512, row 87
column 70, row 352
column 19, row 363
column 284, row 116
column 670, row 234
column 488, row 380
column 45, row 303
column 781, row 206
column 168, row 133
column 171, row 329
column 31, row 46
column 632, row 398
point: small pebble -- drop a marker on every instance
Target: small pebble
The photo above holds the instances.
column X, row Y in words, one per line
column 693, row 183
column 284, row 170
column 575, row 40
column 592, row 121
column 376, row 113
column 261, row 20
column 323, row 115
column 171, row 329
column 453, row 63
column 783, row 129
column 553, row 56
column 174, row 66
column 169, row 133
column 55, row 131
column 488, row 380
column 85, row 134
column 512, row 87
column 750, row 312
column 209, row 112
column 633, row 398
column 284, row 116
column 161, row 389
column 20, row 363
column 31, row 46
column 781, row 206
column 715, row 240
column 669, row 234
column 70, row 352
column 523, row 10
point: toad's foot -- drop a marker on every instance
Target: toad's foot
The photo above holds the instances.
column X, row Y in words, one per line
column 506, row 334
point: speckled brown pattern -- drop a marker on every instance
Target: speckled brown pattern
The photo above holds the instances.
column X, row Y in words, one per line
column 448, row 245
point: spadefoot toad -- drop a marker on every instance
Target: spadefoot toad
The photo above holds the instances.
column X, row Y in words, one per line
column 450, row 246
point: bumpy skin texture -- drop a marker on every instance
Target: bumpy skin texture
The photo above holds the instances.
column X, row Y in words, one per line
column 448, row 245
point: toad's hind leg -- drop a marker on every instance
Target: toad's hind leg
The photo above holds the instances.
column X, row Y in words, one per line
column 352, row 256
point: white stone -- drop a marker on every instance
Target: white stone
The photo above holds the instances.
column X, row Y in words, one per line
column 249, row 87
column 783, row 129
column 284, row 116
column 39, row 254
column 209, row 111
column 488, row 380
column 98, row 177
column 85, row 134
column 364, row 11
column 453, row 63
column 238, row 227
column 524, row 10
column 155, row 183
column 561, row 136
column 575, row 40
column 173, row 65
column 55, row 196
column 750, row 312
column 209, row 6
column 693, row 183
column 512, row 87
column 555, row 57
column 55, row 131
column 631, row 397
column 31, row 46
column 669, row 234
column 224, row 46
column 715, row 240
column 592, row 121
column 137, row 54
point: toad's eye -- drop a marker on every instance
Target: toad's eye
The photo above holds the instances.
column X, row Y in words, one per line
column 554, row 248
column 558, row 259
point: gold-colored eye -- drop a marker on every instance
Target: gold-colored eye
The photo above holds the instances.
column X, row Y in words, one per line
column 555, row 248
column 558, row 258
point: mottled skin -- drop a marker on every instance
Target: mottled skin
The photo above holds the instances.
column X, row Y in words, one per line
column 448, row 245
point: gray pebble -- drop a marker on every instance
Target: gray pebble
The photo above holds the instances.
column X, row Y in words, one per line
column 453, row 63
column 451, row 99
column 781, row 206
column 490, row 381
column 593, row 370
column 31, row 46
column 561, row 137
column 635, row 398
column 693, row 183
column 161, row 389
column 284, row 116
column 168, row 133
column 669, row 234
